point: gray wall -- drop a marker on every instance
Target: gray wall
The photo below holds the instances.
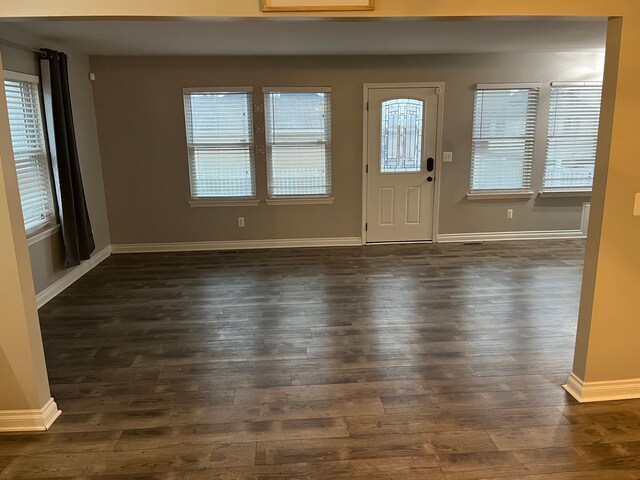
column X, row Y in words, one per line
column 142, row 138
column 47, row 261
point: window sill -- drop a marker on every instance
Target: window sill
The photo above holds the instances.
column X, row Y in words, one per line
column 499, row 195
column 40, row 235
column 566, row 193
column 249, row 202
column 300, row 201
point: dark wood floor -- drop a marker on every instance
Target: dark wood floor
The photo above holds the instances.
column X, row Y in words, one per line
column 385, row 362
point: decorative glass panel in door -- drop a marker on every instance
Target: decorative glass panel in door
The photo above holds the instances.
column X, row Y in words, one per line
column 401, row 139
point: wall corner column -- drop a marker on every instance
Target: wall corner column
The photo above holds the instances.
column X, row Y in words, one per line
column 607, row 357
column 25, row 398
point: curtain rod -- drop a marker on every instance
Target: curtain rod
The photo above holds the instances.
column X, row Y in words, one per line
column 18, row 46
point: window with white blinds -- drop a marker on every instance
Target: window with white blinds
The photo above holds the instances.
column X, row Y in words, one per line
column 574, row 117
column 220, row 142
column 29, row 150
column 298, row 136
column 504, row 127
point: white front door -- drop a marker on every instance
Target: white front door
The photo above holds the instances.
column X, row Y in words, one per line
column 401, row 163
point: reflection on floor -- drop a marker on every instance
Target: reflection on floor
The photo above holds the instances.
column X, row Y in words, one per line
column 383, row 362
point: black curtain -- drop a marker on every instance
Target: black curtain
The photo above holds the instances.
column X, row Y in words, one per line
column 72, row 206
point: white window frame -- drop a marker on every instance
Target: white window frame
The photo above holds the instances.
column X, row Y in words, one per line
column 51, row 225
column 300, row 199
column 212, row 201
column 564, row 190
column 525, row 191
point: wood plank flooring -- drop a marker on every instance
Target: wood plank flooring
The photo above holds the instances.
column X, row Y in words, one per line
column 382, row 362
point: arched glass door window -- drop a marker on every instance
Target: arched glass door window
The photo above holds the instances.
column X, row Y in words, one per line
column 401, row 149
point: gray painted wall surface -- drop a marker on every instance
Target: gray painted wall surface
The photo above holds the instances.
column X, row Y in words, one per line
column 142, row 138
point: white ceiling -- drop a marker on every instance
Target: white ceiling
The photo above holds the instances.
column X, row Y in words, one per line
column 321, row 37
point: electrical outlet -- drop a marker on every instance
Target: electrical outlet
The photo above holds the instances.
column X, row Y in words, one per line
column 447, row 156
column 509, row 213
column 241, row 222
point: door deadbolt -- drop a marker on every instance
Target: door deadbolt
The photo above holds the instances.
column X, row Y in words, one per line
column 430, row 164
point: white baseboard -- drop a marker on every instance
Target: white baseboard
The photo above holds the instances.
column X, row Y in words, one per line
column 602, row 391
column 504, row 236
column 237, row 245
column 29, row 420
column 74, row 274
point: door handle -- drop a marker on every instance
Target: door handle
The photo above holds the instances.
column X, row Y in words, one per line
column 430, row 164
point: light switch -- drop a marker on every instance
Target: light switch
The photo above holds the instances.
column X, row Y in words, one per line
column 636, row 207
column 447, row 156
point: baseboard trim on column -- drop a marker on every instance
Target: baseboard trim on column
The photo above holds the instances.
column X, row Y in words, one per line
column 585, row 392
column 26, row 420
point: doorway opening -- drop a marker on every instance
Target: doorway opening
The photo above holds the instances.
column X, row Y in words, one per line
column 401, row 161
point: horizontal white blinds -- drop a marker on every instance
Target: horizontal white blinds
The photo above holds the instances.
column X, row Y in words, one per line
column 30, row 152
column 298, row 135
column 504, row 126
column 574, row 116
column 220, row 142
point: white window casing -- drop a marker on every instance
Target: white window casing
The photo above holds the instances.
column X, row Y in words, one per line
column 219, row 127
column 504, row 128
column 30, row 151
column 298, row 141
column 572, row 137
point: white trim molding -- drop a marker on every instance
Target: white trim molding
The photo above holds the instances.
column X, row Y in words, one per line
column 237, row 245
column 42, row 234
column 74, row 274
column 252, row 202
column 565, row 193
column 20, row 76
column 35, row 420
column 217, row 90
column 602, row 391
column 506, row 236
column 577, row 84
column 494, row 195
column 299, row 200
column 506, row 86
column 296, row 89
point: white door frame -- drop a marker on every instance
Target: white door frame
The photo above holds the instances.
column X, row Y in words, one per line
column 365, row 147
